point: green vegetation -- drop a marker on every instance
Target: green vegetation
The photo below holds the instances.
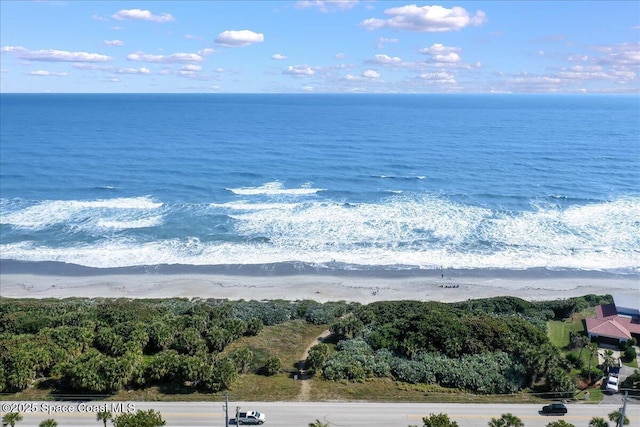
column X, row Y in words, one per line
column 560, row 423
column 102, row 346
column 148, row 418
column 12, row 418
column 560, row 331
column 506, row 420
column 104, row 416
column 616, row 416
column 398, row 350
column 438, row 420
column 598, row 422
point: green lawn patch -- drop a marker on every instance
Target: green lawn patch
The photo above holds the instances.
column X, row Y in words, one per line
column 558, row 331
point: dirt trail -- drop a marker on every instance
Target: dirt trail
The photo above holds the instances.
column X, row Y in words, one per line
column 305, row 385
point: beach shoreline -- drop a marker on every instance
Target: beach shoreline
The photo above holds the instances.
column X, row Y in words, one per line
column 431, row 285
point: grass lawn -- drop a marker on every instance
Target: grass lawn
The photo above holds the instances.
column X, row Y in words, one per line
column 386, row 390
column 558, row 331
column 632, row 364
column 288, row 341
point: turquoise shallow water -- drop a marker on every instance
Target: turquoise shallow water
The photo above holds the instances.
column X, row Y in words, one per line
column 353, row 182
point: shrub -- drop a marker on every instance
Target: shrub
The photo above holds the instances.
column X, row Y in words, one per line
column 629, row 354
column 272, row 366
column 574, row 360
column 593, row 373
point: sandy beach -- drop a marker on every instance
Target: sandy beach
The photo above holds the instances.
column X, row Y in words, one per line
column 322, row 288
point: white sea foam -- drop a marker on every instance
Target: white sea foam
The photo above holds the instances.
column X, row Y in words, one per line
column 152, row 221
column 421, row 231
column 274, row 188
column 80, row 213
column 252, row 206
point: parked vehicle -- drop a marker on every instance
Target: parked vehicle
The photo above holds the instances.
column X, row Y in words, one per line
column 250, row 417
column 613, row 384
column 554, row 409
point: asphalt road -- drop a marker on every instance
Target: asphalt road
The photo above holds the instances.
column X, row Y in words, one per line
column 300, row 414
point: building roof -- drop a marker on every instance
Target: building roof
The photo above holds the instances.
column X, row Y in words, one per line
column 608, row 323
column 607, row 328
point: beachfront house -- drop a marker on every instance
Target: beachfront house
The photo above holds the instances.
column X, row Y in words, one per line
column 615, row 323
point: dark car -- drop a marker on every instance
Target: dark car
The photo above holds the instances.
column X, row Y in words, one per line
column 554, row 409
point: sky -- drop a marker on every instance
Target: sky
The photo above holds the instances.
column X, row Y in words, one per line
column 320, row 46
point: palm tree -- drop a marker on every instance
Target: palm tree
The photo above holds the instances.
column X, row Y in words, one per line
column 537, row 364
column 12, row 418
column 608, row 360
column 438, row 420
column 318, row 423
column 582, row 342
column 560, row 423
column 598, row 422
column 593, row 349
column 104, row 416
column 506, row 420
column 49, row 422
column 615, row 417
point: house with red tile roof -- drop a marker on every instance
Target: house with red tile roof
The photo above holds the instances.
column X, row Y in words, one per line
column 614, row 324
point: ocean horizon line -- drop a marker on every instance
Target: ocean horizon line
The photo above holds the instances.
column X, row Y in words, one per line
column 350, row 94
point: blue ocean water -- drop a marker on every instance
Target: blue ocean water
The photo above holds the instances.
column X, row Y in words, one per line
column 353, row 182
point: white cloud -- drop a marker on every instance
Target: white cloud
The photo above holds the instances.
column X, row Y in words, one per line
column 143, row 15
column 383, row 40
column 441, row 77
column 299, row 70
column 47, row 73
column 167, row 59
column 385, row 60
column 278, row 56
column 439, row 49
column 449, row 58
column 580, row 58
column 326, row 5
column 52, row 55
column 371, row 74
column 99, row 18
column 142, row 70
column 192, row 68
column 622, row 55
column 619, row 63
column 425, row 19
column 536, row 83
column 91, row 66
column 446, row 56
column 232, row 38
column 339, row 56
column 113, row 43
column 206, row 51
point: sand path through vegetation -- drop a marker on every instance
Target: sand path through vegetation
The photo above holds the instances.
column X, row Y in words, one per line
column 305, row 384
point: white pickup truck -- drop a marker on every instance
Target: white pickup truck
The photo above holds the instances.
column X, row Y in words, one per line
column 613, row 383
